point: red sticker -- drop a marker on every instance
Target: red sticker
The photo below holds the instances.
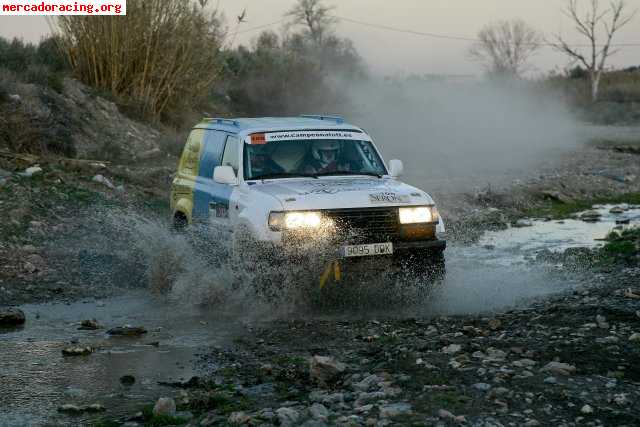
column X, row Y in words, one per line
column 258, row 139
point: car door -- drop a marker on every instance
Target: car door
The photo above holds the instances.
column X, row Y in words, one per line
column 211, row 198
column 184, row 183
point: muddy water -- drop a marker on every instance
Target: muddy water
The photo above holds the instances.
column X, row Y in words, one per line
column 35, row 378
column 494, row 274
column 499, row 271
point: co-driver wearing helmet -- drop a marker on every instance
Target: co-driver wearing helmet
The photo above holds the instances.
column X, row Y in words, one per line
column 324, row 158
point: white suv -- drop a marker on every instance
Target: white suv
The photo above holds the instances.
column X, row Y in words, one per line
column 290, row 180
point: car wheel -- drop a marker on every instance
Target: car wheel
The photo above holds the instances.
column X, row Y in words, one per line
column 180, row 222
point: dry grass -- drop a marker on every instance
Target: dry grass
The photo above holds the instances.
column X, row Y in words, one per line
column 161, row 57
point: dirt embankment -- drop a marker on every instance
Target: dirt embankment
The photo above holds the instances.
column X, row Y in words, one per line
column 569, row 359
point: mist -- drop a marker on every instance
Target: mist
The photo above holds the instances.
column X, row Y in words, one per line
column 460, row 135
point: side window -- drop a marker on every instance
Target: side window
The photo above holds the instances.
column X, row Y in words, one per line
column 214, row 147
column 230, row 157
column 191, row 154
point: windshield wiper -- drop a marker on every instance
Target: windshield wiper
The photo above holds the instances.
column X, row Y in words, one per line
column 284, row 175
column 349, row 173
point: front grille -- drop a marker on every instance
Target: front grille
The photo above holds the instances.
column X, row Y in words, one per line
column 370, row 225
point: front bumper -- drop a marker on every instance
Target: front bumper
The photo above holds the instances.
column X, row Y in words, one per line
column 419, row 246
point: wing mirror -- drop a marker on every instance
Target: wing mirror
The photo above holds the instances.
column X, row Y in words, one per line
column 395, row 168
column 225, row 175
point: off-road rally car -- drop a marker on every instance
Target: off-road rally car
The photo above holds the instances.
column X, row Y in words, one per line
column 291, row 182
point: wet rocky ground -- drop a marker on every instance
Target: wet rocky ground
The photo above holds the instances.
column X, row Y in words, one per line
column 517, row 334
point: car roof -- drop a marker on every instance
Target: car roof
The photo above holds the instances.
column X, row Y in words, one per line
column 247, row 125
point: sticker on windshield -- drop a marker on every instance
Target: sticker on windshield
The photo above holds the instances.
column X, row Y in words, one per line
column 388, row 197
column 263, row 138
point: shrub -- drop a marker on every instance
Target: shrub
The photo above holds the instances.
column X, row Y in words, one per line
column 43, row 64
column 625, row 244
column 160, row 58
column 24, row 131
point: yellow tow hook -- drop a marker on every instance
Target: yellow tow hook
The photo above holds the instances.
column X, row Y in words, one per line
column 332, row 267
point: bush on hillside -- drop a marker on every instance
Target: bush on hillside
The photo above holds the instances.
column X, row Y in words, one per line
column 161, row 58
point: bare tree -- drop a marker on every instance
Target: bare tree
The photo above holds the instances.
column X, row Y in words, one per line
column 315, row 16
column 505, row 47
column 589, row 24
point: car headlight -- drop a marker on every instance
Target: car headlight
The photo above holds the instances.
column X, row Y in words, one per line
column 418, row 215
column 294, row 220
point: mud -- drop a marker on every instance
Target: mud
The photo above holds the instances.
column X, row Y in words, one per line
column 199, row 332
column 73, row 251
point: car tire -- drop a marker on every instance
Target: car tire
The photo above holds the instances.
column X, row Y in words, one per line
column 180, row 222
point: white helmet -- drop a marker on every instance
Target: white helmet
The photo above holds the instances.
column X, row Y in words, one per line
column 325, row 151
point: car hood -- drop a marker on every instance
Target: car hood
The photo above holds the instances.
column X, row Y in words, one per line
column 336, row 193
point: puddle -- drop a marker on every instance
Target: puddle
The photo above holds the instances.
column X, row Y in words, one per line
column 516, row 245
column 35, row 379
column 497, row 272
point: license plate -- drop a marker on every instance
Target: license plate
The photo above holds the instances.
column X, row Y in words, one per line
column 372, row 249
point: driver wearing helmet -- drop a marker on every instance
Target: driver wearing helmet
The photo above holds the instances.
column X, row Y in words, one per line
column 324, row 157
column 262, row 163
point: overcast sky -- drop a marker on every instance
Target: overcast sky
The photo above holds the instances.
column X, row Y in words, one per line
column 392, row 53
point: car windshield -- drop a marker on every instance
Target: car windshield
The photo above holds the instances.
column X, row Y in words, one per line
column 311, row 158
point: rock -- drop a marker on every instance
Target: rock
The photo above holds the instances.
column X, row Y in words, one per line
column 524, row 363
column 237, row 418
column 557, row 196
column 104, row 181
column 621, row 399
column 287, row 416
column 495, row 324
column 127, row 330
column 320, row 423
column 32, row 171
column 630, row 293
column 521, row 223
column 452, row 349
column 324, row 370
column 94, row 408
column 319, row 411
column 602, row 322
column 617, row 210
column 70, row 409
column 150, row 154
column 77, row 351
column 482, row 386
column 394, row 409
column 15, row 97
column 591, row 216
column 363, row 409
column 496, row 355
column 551, row 380
column 586, row 409
column 75, row 409
column 559, row 368
column 89, row 325
column 11, row 317
column 634, row 337
column 443, row 414
column 367, row 384
column 165, row 406
column 127, row 380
